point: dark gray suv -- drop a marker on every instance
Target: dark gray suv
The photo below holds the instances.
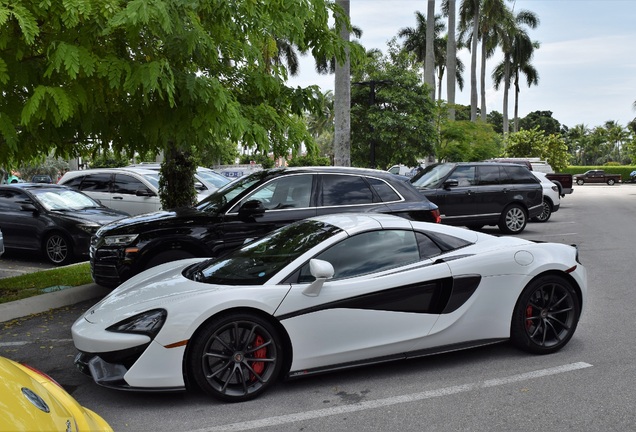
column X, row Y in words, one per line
column 475, row 194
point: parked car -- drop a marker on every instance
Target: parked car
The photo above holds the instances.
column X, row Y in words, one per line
column 206, row 180
column 246, row 209
column 41, row 178
column 551, row 197
column 597, row 176
column 132, row 190
column 55, row 220
column 1, row 244
column 33, row 401
column 475, row 194
column 563, row 181
column 326, row 293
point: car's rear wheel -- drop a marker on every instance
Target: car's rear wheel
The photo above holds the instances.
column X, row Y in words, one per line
column 57, row 249
column 546, row 213
column 545, row 316
column 168, row 256
column 610, row 182
column 236, row 358
column 513, row 220
column 580, row 181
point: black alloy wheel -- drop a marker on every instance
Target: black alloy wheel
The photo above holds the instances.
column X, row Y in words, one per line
column 236, row 358
column 57, row 249
column 546, row 213
column 545, row 316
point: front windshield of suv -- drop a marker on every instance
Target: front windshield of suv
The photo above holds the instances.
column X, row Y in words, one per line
column 257, row 262
column 432, row 175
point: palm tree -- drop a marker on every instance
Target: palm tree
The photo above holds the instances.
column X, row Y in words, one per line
column 518, row 50
column 449, row 8
column 469, row 16
column 617, row 135
column 429, row 61
column 342, row 102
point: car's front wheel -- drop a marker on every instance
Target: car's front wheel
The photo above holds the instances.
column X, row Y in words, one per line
column 57, row 249
column 580, row 181
column 545, row 316
column 513, row 220
column 610, row 182
column 546, row 213
column 236, row 358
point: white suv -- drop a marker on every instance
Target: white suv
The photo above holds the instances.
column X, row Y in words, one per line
column 551, row 197
column 131, row 189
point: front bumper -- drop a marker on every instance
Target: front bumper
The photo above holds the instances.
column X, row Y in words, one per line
column 110, row 266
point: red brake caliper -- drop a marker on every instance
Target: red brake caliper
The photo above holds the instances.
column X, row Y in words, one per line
column 259, row 353
column 528, row 316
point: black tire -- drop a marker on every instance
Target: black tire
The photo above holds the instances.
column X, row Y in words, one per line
column 610, row 182
column 547, row 212
column 545, row 316
column 513, row 219
column 168, row 256
column 580, row 182
column 57, row 249
column 225, row 359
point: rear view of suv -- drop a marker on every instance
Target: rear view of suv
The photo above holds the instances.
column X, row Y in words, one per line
column 475, row 194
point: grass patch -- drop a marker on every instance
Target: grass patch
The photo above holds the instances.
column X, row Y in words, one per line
column 32, row 284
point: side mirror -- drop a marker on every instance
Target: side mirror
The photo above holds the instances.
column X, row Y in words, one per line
column 199, row 186
column 450, row 183
column 321, row 270
column 251, row 208
column 27, row 206
column 145, row 192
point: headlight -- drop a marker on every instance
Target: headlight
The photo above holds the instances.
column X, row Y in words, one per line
column 148, row 323
column 120, row 240
column 89, row 228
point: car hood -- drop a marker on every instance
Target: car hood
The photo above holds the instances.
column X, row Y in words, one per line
column 102, row 216
column 151, row 288
column 154, row 220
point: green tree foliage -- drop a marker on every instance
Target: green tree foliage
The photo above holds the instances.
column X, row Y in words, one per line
column 391, row 110
column 309, row 160
column 534, row 143
column 156, row 75
column 542, row 120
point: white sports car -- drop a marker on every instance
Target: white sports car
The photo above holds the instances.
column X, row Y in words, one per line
column 324, row 294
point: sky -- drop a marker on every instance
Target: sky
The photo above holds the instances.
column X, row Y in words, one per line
column 586, row 61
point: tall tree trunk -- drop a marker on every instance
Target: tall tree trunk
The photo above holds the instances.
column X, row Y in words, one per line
column 506, row 127
column 429, row 59
column 451, row 60
column 342, row 102
column 473, row 63
column 482, row 78
column 516, row 119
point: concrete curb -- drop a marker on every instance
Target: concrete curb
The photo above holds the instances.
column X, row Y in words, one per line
column 53, row 300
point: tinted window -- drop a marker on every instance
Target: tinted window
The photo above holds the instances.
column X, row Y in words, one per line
column 465, row 175
column 488, row 175
column 125, row 184
column 428, row 248
column 345, row 190
column 11, row 200
column 96, row 183
column 74, row 182
column 382, row 188
column 367, row 253
column 518, row 175
column 292, row 191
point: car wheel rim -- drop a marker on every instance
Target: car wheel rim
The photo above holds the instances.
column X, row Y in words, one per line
column 56, row 249
column 239, row 358
column 515, row 219
column 550, row 315
column 546, row 212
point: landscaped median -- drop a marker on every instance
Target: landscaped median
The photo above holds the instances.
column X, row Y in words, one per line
column 47, row 289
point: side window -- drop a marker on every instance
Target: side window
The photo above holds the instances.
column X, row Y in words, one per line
column 75, row 182
column 10, row 200
column 96, row 183
column 345, row 190
column 465, row 175
column 427, row 247
column 488, row 175
column 292, row 191
column 368, row 252
column 519, row 175
column 125, row 184
column 384, row 191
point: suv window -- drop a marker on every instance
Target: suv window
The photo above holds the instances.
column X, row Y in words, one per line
column 345, row 190
column 125, row 184
column 488, row 175
column 517, row 175
column 386, row 192
column 292, row 191
column 12, row 200
column 96, row 183
column 465, row 175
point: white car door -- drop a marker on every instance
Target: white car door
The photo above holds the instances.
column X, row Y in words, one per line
column 362, row 314
column 134, row 196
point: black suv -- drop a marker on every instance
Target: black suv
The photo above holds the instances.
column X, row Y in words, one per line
column 246, row 209
column 475, row 194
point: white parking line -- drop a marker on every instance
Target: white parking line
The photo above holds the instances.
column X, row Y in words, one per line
column 379, row 403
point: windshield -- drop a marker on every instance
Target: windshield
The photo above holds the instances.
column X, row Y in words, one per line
column 63, row 199
column 258, row 261
column 431, row 175
column 215, row 179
